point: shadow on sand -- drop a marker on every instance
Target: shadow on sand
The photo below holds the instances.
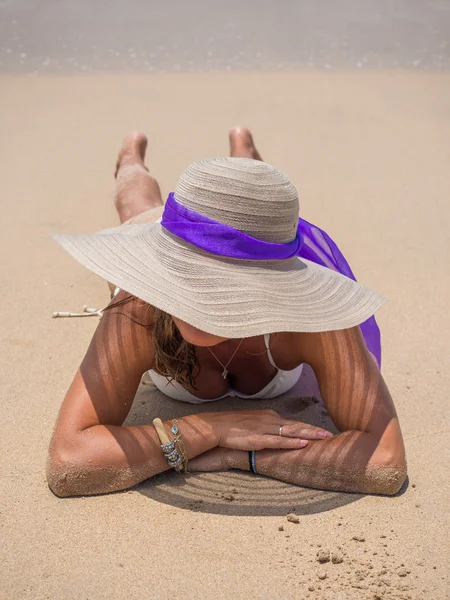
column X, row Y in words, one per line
column 238, row 492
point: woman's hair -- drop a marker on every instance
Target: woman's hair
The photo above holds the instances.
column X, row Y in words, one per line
column 174, row 357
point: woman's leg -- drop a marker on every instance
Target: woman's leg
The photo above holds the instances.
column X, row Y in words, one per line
column 242, row 144
column 137, row 195
column 136, row 190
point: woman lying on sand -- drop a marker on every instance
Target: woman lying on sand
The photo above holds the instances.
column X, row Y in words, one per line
column 229, row 296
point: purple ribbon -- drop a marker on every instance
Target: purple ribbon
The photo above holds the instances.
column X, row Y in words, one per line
column 310, row 242
column 215, row 237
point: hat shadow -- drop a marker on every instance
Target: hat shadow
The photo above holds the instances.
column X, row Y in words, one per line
column 237, row 493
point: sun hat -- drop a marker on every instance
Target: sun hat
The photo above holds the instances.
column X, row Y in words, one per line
column 231, row 257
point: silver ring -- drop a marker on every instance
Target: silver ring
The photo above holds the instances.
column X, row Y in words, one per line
column 280, row 431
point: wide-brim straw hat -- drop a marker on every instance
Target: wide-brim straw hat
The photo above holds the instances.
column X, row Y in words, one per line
column 225, row 296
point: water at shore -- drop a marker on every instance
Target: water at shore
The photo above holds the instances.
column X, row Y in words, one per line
column 147, row 36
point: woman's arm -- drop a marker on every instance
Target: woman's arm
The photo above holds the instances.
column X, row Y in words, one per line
column 92, row 453
column 368, row 456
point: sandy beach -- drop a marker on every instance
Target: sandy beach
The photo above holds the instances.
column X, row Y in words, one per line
column 369, row 152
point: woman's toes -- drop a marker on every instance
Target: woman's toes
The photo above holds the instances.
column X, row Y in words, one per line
column 133, row 150
column 241, row 137
column 242, row 144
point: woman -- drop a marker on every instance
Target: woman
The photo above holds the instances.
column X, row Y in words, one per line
column 219, row 303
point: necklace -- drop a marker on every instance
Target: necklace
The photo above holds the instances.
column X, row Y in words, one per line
column 225, row 370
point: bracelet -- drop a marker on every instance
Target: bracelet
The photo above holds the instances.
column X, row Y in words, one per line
column 168, row 447
column 252, row 461
column 179, row 442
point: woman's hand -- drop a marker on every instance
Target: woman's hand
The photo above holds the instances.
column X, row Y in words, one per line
column 260, row 429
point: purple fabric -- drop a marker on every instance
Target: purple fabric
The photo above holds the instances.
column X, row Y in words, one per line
column 221, row 239
column 319, row 248
column 311, row 243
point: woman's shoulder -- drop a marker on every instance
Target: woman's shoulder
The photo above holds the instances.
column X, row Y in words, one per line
column 125, row 331
column 290, row 348
column 133, row 308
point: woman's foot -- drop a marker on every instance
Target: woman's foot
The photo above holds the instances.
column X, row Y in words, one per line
column 136, row 190
column 241, row 143
column 132, row 151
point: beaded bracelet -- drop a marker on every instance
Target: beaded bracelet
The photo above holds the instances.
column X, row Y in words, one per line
column 168, row 447
column 173, row 450
column 179, row 442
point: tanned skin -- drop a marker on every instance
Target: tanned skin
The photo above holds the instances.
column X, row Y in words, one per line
column 92, row 452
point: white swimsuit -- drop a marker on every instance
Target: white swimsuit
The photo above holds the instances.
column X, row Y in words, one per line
column 281, row 383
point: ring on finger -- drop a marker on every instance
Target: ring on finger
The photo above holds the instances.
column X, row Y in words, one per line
column 280, row 431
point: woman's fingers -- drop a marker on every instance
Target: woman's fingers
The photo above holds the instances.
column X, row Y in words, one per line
column 278, row 442
column 256, row 430
column 306, row 432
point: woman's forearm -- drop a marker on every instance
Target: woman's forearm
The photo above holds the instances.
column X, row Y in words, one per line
column 105, row 458
column 349, row 462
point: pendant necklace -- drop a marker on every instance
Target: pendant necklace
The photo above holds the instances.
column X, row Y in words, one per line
column 225, row 370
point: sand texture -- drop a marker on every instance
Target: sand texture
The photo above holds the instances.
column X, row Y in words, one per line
column 370, row 155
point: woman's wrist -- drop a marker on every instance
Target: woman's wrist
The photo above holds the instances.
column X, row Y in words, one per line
column 212, row 425
column 205, row 425
column 237, row 459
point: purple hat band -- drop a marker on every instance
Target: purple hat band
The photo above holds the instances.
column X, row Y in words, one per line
column 221, row 239
column 310, row 243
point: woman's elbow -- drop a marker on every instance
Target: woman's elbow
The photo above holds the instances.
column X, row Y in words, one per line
column 386, row 472
column 64, row 473
column 386, row 480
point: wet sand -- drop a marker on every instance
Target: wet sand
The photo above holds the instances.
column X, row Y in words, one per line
column 369, row 153
column 155, row 36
